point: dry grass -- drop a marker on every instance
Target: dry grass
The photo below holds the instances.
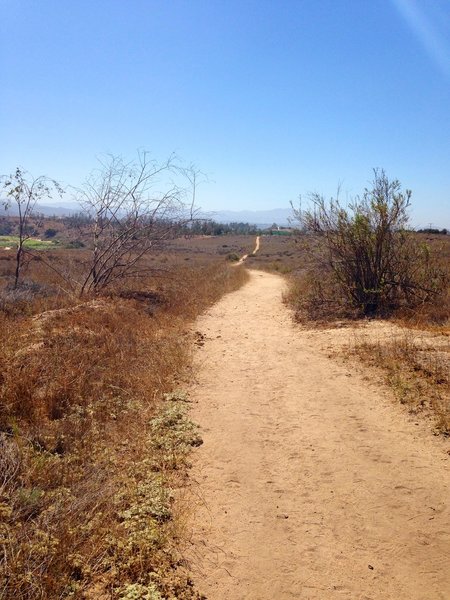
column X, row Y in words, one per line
column 433, row 316
column 416, row 363
column 417, row 367
column 92, row 446
column 278, row 254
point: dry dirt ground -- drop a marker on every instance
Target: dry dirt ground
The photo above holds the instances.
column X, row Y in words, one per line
column 311, row 482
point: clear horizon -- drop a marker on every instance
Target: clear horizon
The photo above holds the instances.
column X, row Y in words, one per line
column 270, row 100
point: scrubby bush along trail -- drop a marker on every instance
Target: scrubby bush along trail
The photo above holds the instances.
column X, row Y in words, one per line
column 365, row 258
column 311, row 483
column 93, row 442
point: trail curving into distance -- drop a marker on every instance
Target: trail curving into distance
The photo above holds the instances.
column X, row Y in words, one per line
column 245, row 256
column 311, row 483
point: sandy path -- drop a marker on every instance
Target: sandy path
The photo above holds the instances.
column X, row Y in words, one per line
column 244, row 258
column 310, row 483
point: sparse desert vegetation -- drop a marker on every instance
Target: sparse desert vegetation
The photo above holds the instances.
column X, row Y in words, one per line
column 416, row 365
column 95, row 311
column 370, row 262
column 94, row 427
column 362, row 261
column 94, row 433
column 214, row 384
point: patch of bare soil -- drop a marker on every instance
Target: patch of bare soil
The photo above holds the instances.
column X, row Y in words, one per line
column 311, row 482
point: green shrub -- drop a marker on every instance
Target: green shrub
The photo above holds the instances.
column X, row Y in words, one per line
column 375, row 262
column 50, row 232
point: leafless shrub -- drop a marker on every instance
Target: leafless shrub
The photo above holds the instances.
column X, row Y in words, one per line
column 24, row 191
column 130, row 208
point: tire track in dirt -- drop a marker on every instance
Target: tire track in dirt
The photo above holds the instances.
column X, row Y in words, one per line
column 310, row 483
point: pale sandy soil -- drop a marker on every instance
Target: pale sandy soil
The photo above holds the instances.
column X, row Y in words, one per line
column 311, row 482
column 244, row 258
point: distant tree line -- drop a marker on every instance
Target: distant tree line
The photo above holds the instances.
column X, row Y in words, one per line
column 210, row 227
column 434, row 230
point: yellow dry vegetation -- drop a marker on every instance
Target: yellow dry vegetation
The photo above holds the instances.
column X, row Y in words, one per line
column 94, row 437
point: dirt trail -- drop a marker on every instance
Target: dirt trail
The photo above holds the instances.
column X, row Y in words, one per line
column 311, row 483
column 244, row 258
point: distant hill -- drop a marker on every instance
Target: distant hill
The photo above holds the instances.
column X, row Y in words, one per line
column 263, row 218
column 48, row 211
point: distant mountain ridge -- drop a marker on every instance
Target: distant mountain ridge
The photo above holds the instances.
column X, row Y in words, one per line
column 262, row 218
column 48, row 211
column 280, row 216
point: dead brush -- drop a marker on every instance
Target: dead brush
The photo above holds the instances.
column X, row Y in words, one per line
column 187, row 295
column 88, row 457
column 417, row 370
column 314, row 299
column 431, row 316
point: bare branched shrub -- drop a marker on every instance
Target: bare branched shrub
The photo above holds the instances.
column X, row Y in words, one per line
column 22, row 191
column 130, row 208
column 375, row 263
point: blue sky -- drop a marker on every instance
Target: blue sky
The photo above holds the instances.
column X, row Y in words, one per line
column 271, row 99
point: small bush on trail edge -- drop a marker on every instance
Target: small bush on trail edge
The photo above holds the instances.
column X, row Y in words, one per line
column 370, row 263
